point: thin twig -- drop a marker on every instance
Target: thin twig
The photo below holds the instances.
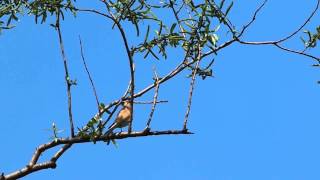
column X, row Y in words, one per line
column 150, row 102
column 298, row 52
column 291, row 34
column 155, row 97
column 89, row 75
column 303, row 25
column 236, row 37
column 60, row 152
column 275, row 42
column 252, row 19
column 192, row 83
column 282, row 48
column 67, row 77
column 127, row 90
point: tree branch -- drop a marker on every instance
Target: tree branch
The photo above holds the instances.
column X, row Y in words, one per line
column 67, row 77
column 131, row 63
column 291, row 34
column 303, row 25
column 68, row 142
column 150, row 102
column 88, row 73
column 155, row 97
column 252, row 19
column 193, row 79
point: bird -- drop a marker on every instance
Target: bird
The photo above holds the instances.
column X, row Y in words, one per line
column 123, row 118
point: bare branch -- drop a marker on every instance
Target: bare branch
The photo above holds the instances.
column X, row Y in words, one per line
column 193, row 79
column 150, row 102
column 282, row 48
column 253, row 18
column 27, row 170
column 67, row 77
column 276, row 42
column 127, row 90
column 297, row 52
column 291, row 34
column 60, row 152
column 88, row 73
column 235, row 38
column 155, row 97
column 303, row 25
column 67, row 142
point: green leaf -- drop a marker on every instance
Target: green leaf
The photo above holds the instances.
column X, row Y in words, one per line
column 229, row 8
column 114, row 143
column 221, row 4
column 213, row 39
column 172, row 27
column 160, row 29
column 102, row 105
column 147, row 34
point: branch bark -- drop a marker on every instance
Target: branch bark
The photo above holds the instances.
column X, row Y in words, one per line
column 67, row 77
column 68, row 142
column 89, row 75
column 192, row 83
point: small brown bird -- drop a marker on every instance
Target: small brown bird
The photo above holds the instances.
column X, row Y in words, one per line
column 123, row 117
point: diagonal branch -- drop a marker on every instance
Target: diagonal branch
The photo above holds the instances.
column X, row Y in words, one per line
column 282, row 48
column 252, row 19
column 89, row 75
column 298, row 52
column 294, row 32
column 303, row 25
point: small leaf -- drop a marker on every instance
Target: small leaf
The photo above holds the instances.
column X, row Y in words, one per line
column 160, row 29
column 147, row 34
column 102, row 105
column 172, row 27
column 221, row 4
column 213, row 39
column 229, row 8
column 114, row 143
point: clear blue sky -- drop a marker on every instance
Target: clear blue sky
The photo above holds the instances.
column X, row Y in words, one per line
column 257, row 119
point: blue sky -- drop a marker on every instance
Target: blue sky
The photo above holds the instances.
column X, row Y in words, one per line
column 256, row 119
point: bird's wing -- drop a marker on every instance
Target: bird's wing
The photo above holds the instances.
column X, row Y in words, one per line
column 115, row 121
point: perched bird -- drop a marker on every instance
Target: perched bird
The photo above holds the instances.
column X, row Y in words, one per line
column 123, row 118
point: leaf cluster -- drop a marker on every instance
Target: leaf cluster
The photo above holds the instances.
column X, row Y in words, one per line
column 311, row 42
column 12, row 10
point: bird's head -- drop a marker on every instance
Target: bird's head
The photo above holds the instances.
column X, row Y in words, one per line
column 127, row 104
